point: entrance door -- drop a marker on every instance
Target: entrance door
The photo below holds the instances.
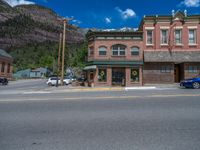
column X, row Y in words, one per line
column 118, row 76
column 177, row 73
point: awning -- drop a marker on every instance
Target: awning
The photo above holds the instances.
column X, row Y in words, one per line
column 93, row 67
column 121, row 63
column 174, row 56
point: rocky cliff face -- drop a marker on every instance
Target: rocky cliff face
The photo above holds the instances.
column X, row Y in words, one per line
column 27, row 24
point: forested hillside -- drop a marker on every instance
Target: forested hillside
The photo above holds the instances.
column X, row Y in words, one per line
column 30, row 33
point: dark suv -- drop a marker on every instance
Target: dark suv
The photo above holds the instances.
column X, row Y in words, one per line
column 3, row 81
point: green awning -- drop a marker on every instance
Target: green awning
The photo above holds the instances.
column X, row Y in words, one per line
column 115, row 63
column 93, row 67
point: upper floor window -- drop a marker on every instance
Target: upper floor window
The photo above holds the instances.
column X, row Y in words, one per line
column 149, row 37
column 192, row 36
column 118, row 50
column 102, row 51
column 178, row 36
column 135, row 51
column 91, row 51
column 164, row 36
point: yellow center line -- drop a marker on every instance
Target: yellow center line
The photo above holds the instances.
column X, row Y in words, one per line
column 100, row 97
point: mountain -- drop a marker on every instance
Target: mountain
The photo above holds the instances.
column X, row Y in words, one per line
column 26, row 24
column 30, row 33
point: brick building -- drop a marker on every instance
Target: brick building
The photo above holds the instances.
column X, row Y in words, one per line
column 164, row 49
column 5, row 64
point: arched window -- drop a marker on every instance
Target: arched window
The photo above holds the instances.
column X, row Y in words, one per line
column 135, row 51
column 118, row 50
column 102, row 50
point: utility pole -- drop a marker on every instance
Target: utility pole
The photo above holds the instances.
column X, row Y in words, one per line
column 63, row 51
column 58, row 66
column 65, row 20
column 59, row 50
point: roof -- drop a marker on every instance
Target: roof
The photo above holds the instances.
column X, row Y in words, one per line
column 179, row 13
column 3, row 53
column 167, row 56
column 113, row 33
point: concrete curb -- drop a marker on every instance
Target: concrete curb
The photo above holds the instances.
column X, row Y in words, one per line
column 101, row 89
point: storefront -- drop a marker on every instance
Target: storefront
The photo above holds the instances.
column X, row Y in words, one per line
column 129, row 74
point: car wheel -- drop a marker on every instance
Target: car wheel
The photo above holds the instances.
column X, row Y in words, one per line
column 49, row 84
column 196, row 85
column 65, row 83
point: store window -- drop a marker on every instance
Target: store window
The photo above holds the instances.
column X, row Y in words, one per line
column 135, row 75
column 165, row 69
column 193, row 69
column 102, row 75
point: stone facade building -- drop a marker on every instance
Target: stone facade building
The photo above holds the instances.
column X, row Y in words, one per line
column 5, row 64
column 164, row 49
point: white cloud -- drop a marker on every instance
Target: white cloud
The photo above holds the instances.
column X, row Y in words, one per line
column 128, row 13
column 190, row 3
column 108, row 20
column 18, row 2
column 76, row 21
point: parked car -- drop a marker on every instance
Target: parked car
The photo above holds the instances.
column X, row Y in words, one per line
column 53, row 81
column 191, row 83
column 3, row 81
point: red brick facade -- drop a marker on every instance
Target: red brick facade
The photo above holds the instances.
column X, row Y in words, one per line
column 169, row 51
column 179, row 64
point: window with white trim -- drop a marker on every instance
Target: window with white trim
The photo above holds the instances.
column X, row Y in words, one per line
column 192, row 36
column 118, row 50
column 164, row 36
column 149, row 37
column 178, row 36
column 102, row 51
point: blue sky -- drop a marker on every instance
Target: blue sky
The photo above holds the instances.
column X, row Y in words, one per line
column 113, row 13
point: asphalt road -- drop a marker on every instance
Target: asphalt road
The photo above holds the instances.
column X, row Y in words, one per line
column 167, row 119
column 34, row 84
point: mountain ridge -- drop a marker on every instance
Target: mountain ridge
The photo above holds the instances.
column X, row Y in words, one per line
column 24, row 24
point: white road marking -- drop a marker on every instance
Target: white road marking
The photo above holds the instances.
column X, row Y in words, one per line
column 140, row 88
column 37, row 92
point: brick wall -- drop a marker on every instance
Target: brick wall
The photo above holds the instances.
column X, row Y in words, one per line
column 152, row 73
column 188, row 74
column 109, row 43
